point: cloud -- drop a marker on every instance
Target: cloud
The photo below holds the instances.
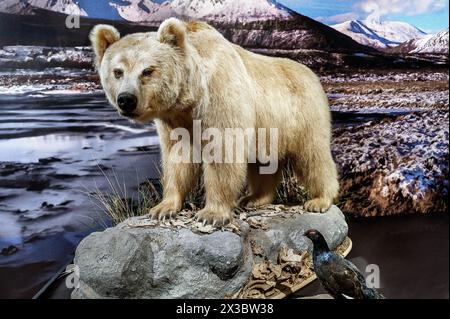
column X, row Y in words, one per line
column 378, row 8
column 338, row 18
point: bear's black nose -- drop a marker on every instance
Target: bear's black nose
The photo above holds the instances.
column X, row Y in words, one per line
column 127, row 102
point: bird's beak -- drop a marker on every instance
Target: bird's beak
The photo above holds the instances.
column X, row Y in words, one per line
column 310, row 233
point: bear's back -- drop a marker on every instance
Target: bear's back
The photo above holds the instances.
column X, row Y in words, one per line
column 206, row 39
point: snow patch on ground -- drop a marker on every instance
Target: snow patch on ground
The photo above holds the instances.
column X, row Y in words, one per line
column 390, row 99
column 408, row 157
column 40, row 55
column 392, row 76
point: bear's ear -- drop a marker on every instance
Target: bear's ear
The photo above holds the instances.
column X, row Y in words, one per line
column 102, row 36
column 173, row 32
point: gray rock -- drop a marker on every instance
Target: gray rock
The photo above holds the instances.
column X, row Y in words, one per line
column 169, row 262
column 289, row 231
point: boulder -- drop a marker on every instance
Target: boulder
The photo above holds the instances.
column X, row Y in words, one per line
column 180, row 258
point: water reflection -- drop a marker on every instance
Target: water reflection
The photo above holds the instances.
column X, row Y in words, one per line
column 54, row 150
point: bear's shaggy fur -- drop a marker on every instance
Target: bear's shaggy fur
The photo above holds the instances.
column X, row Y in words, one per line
column 189, row 71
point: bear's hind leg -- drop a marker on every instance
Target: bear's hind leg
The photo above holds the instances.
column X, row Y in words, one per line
column 317, row 172
column 262, row 188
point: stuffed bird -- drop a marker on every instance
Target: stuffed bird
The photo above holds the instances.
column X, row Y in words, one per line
column 340, row 278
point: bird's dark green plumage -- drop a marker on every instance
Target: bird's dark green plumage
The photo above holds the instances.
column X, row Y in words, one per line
column 338, row 276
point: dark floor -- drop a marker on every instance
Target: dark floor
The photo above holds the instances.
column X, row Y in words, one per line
column 412, row 253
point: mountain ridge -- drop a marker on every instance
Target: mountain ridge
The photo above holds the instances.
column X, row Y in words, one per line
column 251, row 26
column 377, row 34
column 251, row 23
column 208, row 10
column 70, row 7
column 431, row 44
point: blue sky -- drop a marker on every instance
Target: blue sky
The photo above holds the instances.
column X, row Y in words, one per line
column 428, row 15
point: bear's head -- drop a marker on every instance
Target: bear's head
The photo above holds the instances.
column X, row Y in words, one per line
column 144, row 75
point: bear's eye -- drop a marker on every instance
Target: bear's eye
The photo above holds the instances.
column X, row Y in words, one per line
column 147, row 72
column 118, row 73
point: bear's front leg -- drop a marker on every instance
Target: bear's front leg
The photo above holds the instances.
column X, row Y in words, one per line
column 223, row 183
column 178, row 180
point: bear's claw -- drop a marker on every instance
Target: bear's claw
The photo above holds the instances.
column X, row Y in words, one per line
column 165, row 209
column 214, row 218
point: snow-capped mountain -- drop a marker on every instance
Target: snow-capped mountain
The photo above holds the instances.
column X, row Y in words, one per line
column 13, row 7
column 63, row 6
column 378, row 34
column 250, row 23
column 433, row 43
column 232, row 10
column 24, row 6
column 259, row 24
column 216, row 10
column 143, row 10
column 437, row 43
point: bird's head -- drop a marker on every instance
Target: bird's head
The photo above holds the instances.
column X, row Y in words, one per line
column 312, row 234
column 318, row 240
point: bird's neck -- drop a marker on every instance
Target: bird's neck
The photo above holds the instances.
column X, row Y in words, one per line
column 321, row 246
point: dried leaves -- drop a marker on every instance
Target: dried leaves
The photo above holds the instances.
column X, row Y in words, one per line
column 270, row 211
column 273, row 281
column 256, row 218
column 268, row 279
column 184, row 220
column 257, row 222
